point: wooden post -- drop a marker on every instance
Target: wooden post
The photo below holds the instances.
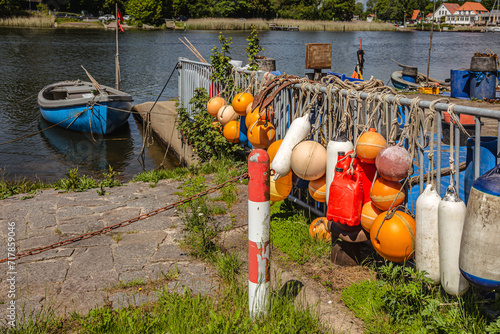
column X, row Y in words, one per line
column 117, row 63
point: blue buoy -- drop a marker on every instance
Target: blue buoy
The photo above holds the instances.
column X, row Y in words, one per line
column 243, row 131
column 299, row 183
column 409, row 78
column 488, row 153
column 483, row 85
column 460, row 83
column 479, row 259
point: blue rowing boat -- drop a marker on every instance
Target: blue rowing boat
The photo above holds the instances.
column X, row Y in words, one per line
column 81, row 106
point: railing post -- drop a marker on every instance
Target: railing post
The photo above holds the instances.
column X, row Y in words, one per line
column 259, row 250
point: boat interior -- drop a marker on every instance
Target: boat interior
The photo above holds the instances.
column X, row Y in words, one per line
column 73, row 92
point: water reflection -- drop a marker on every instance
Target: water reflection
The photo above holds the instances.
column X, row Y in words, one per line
column 91, row 152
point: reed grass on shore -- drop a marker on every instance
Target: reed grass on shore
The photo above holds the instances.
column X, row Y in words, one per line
column 226, row 24
column 261, row 24
column 32, row 21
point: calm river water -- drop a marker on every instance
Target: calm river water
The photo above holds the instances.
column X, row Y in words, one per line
column 31, row 59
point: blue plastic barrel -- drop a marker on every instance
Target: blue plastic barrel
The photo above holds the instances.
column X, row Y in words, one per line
column 460, row 83
column 243, row 131
column 409, row 78
column 483, row 85
column 488, row 153
column 479, row 259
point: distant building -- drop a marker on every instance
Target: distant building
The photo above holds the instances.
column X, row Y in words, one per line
column 445, row 10
column 428, row 18
column 415, row 17
column 467, row 14
column 355, row 18
column 370, row 17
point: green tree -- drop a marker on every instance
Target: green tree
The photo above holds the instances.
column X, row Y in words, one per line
column 181, row 7
column 232, row 8
column 147, row 11
column 488, row 4
column 9, row 7
column 339, row 10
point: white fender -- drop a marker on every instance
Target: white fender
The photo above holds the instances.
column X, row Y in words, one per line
column 338, row 144
column 451, row 216
column 426, row 238
column 298, row 131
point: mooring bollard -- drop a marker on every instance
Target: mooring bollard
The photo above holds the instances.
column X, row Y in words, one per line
column 259, row 250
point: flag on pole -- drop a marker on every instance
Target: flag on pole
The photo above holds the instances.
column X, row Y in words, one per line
column 120, row 17
column 120, row 27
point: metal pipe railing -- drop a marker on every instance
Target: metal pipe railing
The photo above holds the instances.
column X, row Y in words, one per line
column 289, row 104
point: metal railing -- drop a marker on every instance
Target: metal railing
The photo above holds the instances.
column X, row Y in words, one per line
column 293, row 101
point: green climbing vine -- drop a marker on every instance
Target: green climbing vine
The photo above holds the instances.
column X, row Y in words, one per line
column 199, row 131
column 222, row 68
column 253, row 49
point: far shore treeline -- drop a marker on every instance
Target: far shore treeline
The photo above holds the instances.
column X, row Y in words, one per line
column 155, row 12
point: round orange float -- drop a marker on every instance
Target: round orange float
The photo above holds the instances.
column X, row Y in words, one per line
column 232, row 131
column 319, row 229
column 214, row 104
column 308, row 160
column 273, row 149
column 368, row 214
column 369, row 144
column 317, row 189
column 394, row 238
column 281, row 188
column 226, row 114
column 253, row 117
column 249, row 108
column 384, row 192
column 261, row 134
column 241, row 102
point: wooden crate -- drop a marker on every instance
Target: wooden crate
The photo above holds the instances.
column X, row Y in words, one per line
column 318, row 55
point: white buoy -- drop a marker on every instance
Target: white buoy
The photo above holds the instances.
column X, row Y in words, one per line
column 427, row 240
column 298, row 131
column 451, row 216
column 338, row 144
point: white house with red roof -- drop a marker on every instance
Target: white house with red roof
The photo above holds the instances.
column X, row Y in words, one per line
column 445, row 10
column 467, row 14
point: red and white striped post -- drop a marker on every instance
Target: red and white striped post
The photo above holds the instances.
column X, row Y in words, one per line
column 259, row 217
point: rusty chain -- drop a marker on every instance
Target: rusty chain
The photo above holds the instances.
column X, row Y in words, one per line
column 107, row 229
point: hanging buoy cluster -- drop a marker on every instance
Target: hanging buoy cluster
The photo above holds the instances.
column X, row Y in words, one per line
column 241, row 123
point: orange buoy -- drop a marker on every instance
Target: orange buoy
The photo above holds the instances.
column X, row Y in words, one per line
column 281, row 188
column 368, row 214
column 225, row 114
column 249, row 108
column 319, row 229
column 232, row 131
column 253, row 117
column 384, row 192
column 317, row 189
column 308, row 160
column 369, row 144
column 241, row 102
column 273, row 149
column 393, row 163
column 261, row 134
column 394, row 237
column 214, row 104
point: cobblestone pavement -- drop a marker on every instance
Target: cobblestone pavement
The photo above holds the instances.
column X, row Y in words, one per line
column 85, row 274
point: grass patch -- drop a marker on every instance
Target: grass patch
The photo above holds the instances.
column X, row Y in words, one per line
column 189, row 313
column 290, row 234
column 405, row 301
column 10, row 188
